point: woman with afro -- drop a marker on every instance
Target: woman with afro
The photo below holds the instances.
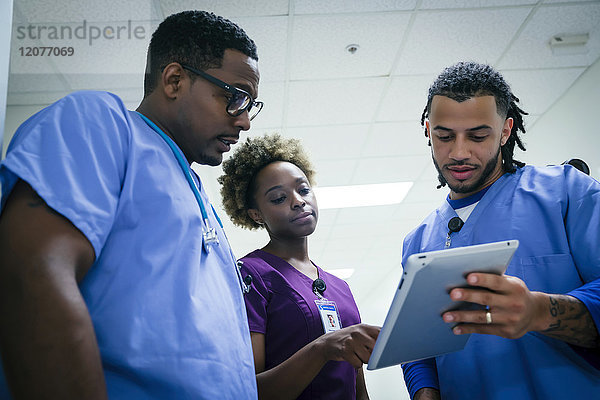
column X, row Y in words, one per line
column 305, row 328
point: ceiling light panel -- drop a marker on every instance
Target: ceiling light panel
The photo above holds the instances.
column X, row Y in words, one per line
column 362, row 195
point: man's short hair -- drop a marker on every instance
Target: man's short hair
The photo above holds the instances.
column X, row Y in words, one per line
column 195, row 38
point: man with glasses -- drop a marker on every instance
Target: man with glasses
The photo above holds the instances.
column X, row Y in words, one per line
column 115, row 273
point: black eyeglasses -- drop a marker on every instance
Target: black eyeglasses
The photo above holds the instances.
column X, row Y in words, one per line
column 240, row 100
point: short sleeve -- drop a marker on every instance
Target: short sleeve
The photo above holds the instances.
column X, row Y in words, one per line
column 256, row 299
column 420, row 374
column 72, row 154
column 582, row 221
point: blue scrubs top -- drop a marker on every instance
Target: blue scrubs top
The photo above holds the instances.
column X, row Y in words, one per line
column 554, row 212
column 169, row 316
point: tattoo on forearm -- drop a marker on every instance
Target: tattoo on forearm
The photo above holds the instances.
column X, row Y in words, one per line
column 572, row 323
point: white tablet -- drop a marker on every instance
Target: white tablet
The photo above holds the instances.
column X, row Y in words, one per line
column 413, row 328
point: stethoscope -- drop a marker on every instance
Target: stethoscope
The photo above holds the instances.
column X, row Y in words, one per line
column 209, row 234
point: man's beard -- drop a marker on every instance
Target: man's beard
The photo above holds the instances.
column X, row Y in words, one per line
column 474, row 187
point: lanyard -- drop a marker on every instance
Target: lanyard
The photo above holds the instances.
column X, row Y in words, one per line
column 209, row 235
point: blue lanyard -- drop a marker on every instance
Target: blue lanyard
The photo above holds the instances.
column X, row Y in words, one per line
column 209, row 234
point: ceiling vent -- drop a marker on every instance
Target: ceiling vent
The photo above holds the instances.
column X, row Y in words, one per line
column 569, row 44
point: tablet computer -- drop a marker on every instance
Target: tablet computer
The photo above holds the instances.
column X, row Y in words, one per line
column 413, row 328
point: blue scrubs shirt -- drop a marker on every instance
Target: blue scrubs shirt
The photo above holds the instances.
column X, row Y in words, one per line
column 169, row 316
column 554, row 212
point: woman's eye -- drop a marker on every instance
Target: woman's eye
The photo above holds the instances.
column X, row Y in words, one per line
column 304, row 191
column 278, row 200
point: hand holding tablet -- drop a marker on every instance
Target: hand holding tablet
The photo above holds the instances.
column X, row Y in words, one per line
column 414, row 328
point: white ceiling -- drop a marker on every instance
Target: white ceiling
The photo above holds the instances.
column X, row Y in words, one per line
column 357, row 114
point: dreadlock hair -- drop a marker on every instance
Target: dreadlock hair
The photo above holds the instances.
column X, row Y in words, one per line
column 465, row 80
column 238, row 184
column 196, row 38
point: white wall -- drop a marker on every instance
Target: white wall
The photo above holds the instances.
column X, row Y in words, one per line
column 570, row 128
column 6, row 7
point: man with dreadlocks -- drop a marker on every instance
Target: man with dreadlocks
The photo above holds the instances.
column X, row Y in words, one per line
column 538, row 336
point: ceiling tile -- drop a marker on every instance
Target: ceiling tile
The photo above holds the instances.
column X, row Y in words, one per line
column 35, row 98
column 448, row 4
column 270, row 93
column 365, row 215
column 405, row 98
column 529, row 120
column 22, row 64
column 333, row 33
column 333, row 101
column 334, row 172
column 118, row 55
column 271, row 38
column 369, row 282
column 425, row 190
column 100, row 81
column 344, row 258
column 80, row 10
column 396, row 139
column 349, row 243
column 563, row 1
column 129, row 95
column 331, row 142
column 532, row 47
column 412, row 214
column 350, row 6
column 34, row 83
column 228, row 8
column 389, row 169
column 327, row 218
column 439, row 39
column 534, row 90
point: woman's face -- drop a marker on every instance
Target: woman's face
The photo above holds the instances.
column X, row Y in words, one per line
column 285, row 201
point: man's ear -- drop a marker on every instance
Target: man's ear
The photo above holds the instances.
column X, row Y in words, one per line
column 171, row 78
column 256, row 216
column 506, row 130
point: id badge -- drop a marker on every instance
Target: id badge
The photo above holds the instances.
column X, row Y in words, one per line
column 329, row 315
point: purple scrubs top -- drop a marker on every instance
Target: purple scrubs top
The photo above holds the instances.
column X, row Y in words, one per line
column 281, row 305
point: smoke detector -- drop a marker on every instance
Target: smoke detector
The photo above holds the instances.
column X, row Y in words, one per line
column 352, row 48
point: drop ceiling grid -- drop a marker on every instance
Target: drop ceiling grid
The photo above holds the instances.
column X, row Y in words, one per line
column 446, row 4
column 349, row 101
column 337, row 142
column 270, row 33
column 230, row 9
column 56, row 11
column 440, row 38
column 539, row 89
column 402, row 138
column 532, row 48
column 320, row 42
column 389, row 169
column 351, row 6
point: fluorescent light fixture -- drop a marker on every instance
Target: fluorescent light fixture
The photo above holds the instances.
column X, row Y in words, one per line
column 342, row 273
column 362, row 195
